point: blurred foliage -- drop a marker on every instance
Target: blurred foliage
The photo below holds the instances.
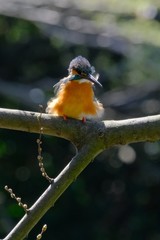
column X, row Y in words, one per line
column 117, row 196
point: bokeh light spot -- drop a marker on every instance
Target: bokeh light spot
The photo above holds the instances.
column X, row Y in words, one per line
column 127, row 154
column 37, row 95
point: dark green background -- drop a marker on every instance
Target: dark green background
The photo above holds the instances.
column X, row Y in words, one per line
column 118, row 195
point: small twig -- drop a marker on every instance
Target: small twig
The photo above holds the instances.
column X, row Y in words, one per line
column 44, row 228
column 39, row 143
column 18, row 199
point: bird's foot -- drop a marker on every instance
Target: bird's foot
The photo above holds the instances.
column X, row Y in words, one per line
column 83, row 120
column 65, row 117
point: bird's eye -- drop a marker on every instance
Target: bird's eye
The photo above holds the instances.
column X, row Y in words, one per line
column 83, row 74
column 79, row 72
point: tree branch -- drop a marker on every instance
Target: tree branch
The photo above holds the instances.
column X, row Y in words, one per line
column 91, row 138
column 52, row 193
column 106, row 133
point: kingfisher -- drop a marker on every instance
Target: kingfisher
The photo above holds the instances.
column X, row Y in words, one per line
column 75, row 93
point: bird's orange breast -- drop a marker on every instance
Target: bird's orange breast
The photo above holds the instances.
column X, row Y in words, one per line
column 75, row 99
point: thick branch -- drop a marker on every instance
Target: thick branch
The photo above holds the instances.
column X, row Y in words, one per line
column 106, row 133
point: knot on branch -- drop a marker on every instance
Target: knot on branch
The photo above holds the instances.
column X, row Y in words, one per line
column 100, row 132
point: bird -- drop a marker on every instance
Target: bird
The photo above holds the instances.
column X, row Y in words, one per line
column 75, row 96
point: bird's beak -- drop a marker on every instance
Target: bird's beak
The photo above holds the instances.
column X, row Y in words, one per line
column 93, row 79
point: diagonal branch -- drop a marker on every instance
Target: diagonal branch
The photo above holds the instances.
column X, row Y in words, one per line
column 53, row 192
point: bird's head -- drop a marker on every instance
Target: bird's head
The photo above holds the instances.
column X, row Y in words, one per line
column 80, row 68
